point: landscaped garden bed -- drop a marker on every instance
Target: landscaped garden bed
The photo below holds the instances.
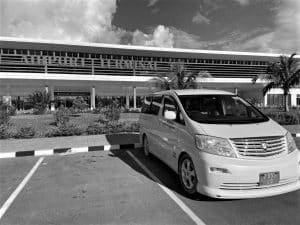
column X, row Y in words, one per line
column 65, row 123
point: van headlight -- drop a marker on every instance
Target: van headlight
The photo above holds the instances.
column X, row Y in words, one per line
column 215, row 145
column 291, row 145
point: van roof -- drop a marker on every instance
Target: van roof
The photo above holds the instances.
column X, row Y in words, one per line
column 196, row 92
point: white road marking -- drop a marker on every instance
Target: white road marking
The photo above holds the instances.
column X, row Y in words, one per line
column 12, row 197
column 171, row 194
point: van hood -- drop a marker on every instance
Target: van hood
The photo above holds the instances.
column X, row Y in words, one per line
column 269, row 128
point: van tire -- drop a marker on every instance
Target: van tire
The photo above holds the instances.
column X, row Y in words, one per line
column 187, row 175
column 146, row 146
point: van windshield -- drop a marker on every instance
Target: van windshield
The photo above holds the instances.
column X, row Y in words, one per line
column 223, row 109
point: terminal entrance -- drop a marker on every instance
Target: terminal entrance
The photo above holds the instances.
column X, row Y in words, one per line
column 66, row 99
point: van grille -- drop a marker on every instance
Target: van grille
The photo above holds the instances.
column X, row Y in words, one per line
column 251, row 186
column 259, row 146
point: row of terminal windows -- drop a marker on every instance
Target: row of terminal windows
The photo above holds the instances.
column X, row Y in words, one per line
column 127, row 57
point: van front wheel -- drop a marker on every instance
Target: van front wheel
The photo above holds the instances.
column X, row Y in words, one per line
column 187, row 175
column 146, row 146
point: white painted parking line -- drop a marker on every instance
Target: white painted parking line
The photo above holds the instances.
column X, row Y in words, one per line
column 13, row 196
column 171, row 194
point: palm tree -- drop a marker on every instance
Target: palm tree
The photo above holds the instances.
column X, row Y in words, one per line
column 178, row 78
column 283, row 74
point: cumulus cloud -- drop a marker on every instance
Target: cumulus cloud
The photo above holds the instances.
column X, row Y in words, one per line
column 69, row 20
column 152, row 2
column 161, row 37
column 287, row 32
column 243, row 2
column 199, row 18
column 284, row 37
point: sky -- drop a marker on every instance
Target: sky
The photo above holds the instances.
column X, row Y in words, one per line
column 271, row 26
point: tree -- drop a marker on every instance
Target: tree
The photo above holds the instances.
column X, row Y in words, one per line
column 178, row 78
column 79, row 104
column 283, row 74
column 39, row 101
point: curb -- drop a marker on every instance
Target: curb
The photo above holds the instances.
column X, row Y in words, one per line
column 296, row 135
column 64, row 151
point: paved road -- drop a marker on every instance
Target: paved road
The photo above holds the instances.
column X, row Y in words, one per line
column 111, row 188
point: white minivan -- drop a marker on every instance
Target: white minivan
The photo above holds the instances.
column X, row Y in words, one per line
column 219, row 144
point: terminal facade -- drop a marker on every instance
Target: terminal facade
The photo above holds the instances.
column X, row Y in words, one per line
column 95, row 71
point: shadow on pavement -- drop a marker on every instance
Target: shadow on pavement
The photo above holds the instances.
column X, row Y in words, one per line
column 122, row 138
column 166, row 175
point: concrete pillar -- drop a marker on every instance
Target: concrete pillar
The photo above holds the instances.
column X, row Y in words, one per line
column 52, row 103
column 236, row 91
column 134, row 97
column 93, row 98
column 47, row 91
column 7, row 97
column 127, row 101
column 293, row 99
column 266, row 100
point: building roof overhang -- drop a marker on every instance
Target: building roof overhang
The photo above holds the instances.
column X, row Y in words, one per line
column 115, row 49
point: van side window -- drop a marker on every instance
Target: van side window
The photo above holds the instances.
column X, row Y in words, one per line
column 155, row 105
column 152, row 104
column 171, row 105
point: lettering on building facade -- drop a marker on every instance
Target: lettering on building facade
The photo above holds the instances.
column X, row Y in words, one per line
column 82, row 62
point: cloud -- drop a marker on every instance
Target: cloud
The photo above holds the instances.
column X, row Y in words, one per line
column 287, row 31
column 69, row 20
column 283, row 38
column 161, row 37
column 243, row 2
column 199, row 18
column 152, row 2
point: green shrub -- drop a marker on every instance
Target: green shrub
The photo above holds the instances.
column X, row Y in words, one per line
column 4, row 134
column 62, row 116
column 285, row 118
column 79, row 104
column 112, row 112
column 9, row 109
column 96, row 128
column 39, row 101
column 65, row 130
column 25, row 132
column 112, row 128
column 4, row 117
column 102, row 118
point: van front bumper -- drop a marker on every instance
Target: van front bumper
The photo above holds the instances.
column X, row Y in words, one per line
column 239, row 178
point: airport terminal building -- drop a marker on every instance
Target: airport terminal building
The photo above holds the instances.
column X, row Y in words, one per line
column 94, row 71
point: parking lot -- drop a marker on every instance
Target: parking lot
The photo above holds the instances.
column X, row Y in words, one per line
column 122, row 187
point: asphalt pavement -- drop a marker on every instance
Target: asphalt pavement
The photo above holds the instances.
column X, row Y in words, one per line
column 120, row 187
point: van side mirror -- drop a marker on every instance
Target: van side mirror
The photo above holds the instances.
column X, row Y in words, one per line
column 170, row 115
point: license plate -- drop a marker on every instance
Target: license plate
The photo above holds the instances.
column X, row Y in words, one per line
column 268, row 178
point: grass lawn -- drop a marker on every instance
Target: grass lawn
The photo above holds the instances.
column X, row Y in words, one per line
column 43, row 123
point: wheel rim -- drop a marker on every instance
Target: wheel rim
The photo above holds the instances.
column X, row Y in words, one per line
column 146, row 147
column 188, row 174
